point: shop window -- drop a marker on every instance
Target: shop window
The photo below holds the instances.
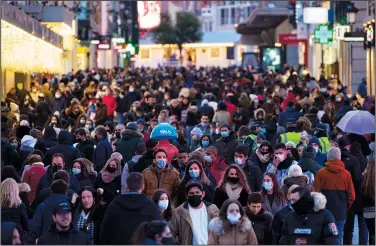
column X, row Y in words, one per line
column 145, row 54
column 215, row 53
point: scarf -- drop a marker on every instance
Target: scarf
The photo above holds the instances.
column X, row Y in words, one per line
column 263, row 158
column 233, row 191
column 108, row 177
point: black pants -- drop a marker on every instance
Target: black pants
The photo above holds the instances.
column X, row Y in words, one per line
column 349, row 229
column 371, row 229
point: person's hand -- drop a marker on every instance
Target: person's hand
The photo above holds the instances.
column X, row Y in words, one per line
column 303, row 139
column 115, row 113
column 276, row 161
column 74, row 198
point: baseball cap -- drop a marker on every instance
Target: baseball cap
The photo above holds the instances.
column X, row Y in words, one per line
column 64, row 206
column 192, row 183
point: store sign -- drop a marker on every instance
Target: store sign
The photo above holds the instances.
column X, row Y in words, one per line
column 354, row 37
column 323, row 34
column 315, row 15
column 340, row 31
column 149, row 14
column 104, row 46
column 118, row 40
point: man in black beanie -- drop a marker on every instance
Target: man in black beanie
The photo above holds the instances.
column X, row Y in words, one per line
column 309, row 223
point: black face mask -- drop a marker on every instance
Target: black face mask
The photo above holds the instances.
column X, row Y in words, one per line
column 194, row 200
column 168, row 241
column 111, row 169
column 56, row 168
column 264, row 153
column 118, row 135
column 233, row 180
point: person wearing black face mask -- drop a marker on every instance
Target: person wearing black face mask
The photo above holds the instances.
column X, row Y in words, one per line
column 309, row 223
column 153, row 233
column 195, row 212
column 85, row 146
column 233, row 186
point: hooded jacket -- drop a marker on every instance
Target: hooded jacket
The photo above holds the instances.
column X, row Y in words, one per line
column 123, row 216
column 308, row 162
column 47, row 179
column 64, row 146
column 49, row 137
column 261, row 223
column 7, row 229
column 289, row 113
column 69, row 237
column 319, row 156
column 223, row 233
column 314, row 226
column 42, row 219
column 181, row 222
column 127, row 145
column 335, row 181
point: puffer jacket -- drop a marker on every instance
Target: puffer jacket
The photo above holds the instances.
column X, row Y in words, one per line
column 127, row 145
column 156, row 178
column 223, row 233
column 181, row 222
column 302, row 181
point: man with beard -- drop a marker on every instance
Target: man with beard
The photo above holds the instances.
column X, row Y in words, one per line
column 62, row 232
column 281, row 162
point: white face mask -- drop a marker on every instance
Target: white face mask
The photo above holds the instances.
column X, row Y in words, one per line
column 316, row 148
column 163, row 204
column 239, row 161
column 233, row 218
column 280, row 157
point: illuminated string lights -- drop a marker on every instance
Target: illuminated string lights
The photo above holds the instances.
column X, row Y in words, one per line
column 23, row 52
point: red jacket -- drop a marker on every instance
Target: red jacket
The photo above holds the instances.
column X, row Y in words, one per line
column 111, row 104
column 170, row 149
column 146, row 137
column 290, row 97
column 32, row 178
column 218, row 168
column 231, row 108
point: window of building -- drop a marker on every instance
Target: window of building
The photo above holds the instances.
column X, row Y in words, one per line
column 145, row 54
column 210, row 26
column 215, row 53
column 249, row 10
column 233, row 15
column 224, row 17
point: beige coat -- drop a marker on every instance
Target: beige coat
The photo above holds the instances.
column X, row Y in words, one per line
column 181, row 222
column 223, row 233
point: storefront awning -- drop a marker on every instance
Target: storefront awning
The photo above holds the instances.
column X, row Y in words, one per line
column 263, row 19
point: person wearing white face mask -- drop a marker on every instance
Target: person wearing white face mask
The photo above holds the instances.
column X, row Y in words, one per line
column 161, row 198
column 231, row 227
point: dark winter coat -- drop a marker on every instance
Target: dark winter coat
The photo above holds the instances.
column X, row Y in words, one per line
column 49, row 137
column 289, row 113
column 308, row 162
column 144, row 162
column 278, row 221
column 353, row 166
column 256, row 160
column 87, row 149
column 220, row 196
column 226, row 147
column 47, row 179
column 59, row 104
column 262, row 223
column 127, row 145
column 101, row 154
column 111, row 189
column 46, row 193
column 131, row 97
column 43, row 111
column 21, row 131
column 70, row 237
column 314, row 227
column 42, row 219
column 289, row 181
column 365, row 149
column 132, row 207
column 17, row 215
column 9, row 156
column 64, row 146
column 85, row 180
column 254, row 176
column 356, row 151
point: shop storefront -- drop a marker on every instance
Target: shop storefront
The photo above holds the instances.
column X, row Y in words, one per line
column 27, row 47
column 369, row 46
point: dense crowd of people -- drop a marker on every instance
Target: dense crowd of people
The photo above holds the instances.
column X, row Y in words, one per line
column 257, row 159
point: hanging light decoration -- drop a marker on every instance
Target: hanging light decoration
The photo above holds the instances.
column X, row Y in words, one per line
column 24, row 52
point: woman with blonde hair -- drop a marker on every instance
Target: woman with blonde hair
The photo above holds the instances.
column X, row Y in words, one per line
column 368, row 195
column 234, row 185
column 109, row 179
column 12, row 208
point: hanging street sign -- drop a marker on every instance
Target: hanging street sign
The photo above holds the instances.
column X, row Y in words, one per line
column 323, row 34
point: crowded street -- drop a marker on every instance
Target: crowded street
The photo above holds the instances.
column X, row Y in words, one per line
column 188, row 123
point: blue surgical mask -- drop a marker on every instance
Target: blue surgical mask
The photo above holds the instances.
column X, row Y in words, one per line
column 225, row 134
column 163, row 204
column 14, row 145
column 208, row 159
column 211, row 132
column 76, row 171
column 204, row 124
column 263, row 131
column 205, row 143
column 194, row 173
column 267, row 186
column 82, row 122
column 161, row 163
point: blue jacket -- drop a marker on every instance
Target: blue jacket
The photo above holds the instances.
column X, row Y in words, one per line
column 320, row 158
column 362, row 89
column 42, row 219
column 102, row 153
column 287, row 114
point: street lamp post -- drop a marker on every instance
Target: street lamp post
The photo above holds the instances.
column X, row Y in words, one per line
column 351, row 12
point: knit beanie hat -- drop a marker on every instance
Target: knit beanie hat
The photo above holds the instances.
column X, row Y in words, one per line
column 315, row 140
column 295, row 170
column 334, row 153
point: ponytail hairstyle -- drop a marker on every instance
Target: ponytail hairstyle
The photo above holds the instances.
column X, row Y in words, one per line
column 148, row 230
